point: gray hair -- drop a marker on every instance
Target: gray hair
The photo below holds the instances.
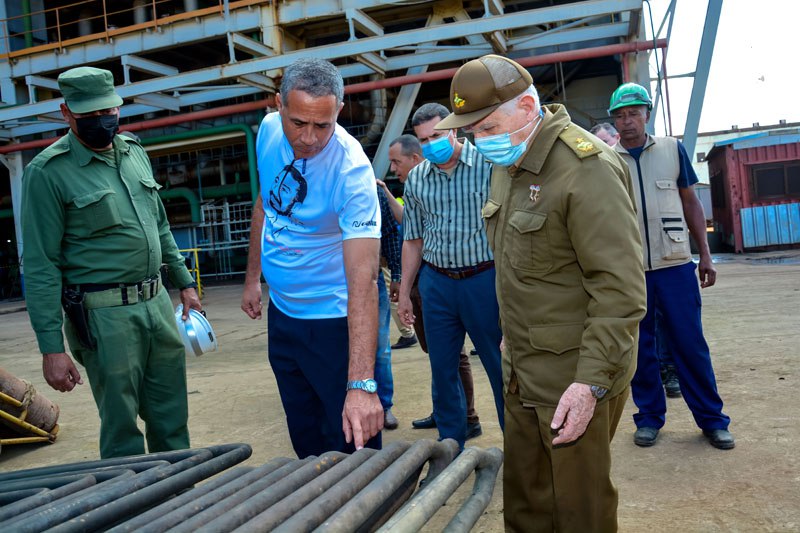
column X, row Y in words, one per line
column 428, row 112
column 508, row 107
column 611, row 130
column 409, row 145
column 316, row 77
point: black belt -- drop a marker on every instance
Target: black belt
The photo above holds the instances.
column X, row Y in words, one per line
column 146, row 288
column 463, row 272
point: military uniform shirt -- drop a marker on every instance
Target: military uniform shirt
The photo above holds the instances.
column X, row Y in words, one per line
column 570, row 281
column 90, row 217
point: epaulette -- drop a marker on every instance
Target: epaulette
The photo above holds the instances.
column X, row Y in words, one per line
column 577, row 140
column 61, row 146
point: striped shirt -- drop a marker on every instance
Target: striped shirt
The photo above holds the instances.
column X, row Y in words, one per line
column 445, row 210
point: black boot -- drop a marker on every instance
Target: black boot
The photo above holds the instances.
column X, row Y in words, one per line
column 670, row 380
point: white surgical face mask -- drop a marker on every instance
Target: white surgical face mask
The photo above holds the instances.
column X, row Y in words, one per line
column 500, row 150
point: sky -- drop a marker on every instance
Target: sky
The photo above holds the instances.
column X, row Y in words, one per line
column 754, row 75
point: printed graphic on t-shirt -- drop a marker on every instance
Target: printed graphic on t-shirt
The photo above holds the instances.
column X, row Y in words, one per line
column 289, row 189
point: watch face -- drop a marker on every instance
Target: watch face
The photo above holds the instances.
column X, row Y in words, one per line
column 370, row 385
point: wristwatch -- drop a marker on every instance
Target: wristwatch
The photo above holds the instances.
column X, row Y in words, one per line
column 192, row 285
column 367, row 385
column 598, row 392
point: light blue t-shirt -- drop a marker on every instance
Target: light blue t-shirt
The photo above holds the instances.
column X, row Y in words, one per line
column 311, row 206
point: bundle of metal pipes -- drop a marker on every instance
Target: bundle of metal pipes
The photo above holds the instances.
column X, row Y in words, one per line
column 368, row 490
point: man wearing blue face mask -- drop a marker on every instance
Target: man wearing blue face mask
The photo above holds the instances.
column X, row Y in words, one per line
column 445, row 241
column 561, row 222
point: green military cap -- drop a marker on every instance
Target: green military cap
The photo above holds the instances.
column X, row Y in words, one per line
column 482, row 85
column 88, row 89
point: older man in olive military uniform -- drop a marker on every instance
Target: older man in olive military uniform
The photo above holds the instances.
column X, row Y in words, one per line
column 96, row 234
column 570, row 284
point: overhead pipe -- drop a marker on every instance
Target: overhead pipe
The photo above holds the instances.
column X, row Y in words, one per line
column 354, row 88
column 28, row 23
column 250, row 141
column 188, row 195
column 161, row 122
column 532, row 61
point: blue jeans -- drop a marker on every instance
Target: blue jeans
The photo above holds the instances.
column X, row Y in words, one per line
column 451, row 309
column 383, row 353
column 674, row 292
column 310, row 362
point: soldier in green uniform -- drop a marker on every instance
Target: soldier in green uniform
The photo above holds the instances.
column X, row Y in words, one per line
column 561, row 222
column 95, row 236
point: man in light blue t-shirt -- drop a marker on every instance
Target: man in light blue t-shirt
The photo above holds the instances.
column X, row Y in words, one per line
column 315, row 236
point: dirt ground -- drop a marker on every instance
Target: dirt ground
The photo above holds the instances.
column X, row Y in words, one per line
column 751, row 318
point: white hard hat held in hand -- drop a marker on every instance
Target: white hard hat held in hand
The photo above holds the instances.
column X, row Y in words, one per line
column 196, row 332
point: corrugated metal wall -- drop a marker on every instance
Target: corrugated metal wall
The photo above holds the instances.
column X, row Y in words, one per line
column 771, row 225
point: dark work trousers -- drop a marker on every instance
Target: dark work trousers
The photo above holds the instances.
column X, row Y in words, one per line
column 310, row 361
column 452, row 309
column 464, row 366
column 674, row 291
column 567, row 488
column 662, row 343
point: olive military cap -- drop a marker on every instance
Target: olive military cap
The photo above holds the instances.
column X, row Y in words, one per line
column 88, row 89
column 482, row 85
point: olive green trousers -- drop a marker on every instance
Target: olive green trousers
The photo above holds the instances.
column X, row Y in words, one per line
column 567, row 488
column 138, row 369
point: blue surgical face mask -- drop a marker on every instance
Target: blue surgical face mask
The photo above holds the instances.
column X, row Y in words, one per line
column 499, row 149
column 438, row 150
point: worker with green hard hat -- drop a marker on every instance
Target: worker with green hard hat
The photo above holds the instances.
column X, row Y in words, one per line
column 668, row 211
column 95, row 236
column 629, row 94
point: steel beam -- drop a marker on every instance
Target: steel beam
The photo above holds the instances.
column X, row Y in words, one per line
column 701, row 75
column 130, row 61
column 346, row 49
column 132, row 110
column 357, row 19
column 158, row 100
column 41, row 81
column 251, row 46
column 398, row 119
column 176, row 34
column 373, row 61
column 260, row 81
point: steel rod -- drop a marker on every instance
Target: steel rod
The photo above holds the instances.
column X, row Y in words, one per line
column 156, row 485
column 355, row 512
column 485, row 479
column 146, row 519
column 275, row 493
column 193, row 523
column 302, row 498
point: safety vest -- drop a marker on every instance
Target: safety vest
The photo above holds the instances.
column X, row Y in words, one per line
column 665, row 235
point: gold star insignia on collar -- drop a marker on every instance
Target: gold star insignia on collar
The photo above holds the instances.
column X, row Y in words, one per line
column 458, row 101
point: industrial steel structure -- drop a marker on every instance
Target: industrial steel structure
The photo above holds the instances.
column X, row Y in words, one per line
column 198, row 76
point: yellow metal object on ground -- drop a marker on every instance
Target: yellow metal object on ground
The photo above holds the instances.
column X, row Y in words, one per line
column 29, row 419
column 194, row 267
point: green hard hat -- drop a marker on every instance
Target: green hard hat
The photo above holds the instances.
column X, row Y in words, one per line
column 629, row 94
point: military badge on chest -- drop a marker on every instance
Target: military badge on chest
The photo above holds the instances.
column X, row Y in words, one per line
column 535, row 192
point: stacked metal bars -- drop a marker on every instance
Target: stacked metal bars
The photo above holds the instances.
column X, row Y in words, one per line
column 333, row 492
column 92, row 495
